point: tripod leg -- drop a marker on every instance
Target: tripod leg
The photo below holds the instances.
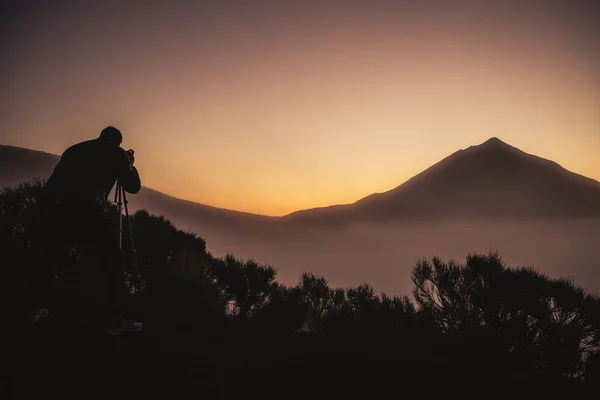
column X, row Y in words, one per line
column 120, row 230
column 117, row 190
column 133, row 251
column 119, row 201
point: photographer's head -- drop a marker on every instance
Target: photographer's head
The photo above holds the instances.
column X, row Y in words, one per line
column 112, row 135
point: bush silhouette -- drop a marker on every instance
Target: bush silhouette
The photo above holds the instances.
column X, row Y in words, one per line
column 550, row 322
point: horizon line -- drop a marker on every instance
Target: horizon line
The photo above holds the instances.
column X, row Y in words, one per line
column 493, row 139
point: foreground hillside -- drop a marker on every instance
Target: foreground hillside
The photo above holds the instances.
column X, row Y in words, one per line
column 223, row 327
column 73, row 362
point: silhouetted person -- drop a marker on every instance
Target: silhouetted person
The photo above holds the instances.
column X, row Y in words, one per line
column 71, row 209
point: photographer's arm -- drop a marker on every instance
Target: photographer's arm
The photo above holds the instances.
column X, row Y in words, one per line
column 128, row 176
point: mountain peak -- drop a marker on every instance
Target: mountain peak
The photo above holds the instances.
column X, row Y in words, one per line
column 494, row 142
column 495, row 145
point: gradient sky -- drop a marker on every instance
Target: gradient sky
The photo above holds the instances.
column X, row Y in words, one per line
column 270, row 107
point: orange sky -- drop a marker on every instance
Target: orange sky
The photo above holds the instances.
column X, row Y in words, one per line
column 270, row 108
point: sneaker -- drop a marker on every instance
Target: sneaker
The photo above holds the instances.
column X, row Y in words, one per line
column 124, row 325
column 40, row 313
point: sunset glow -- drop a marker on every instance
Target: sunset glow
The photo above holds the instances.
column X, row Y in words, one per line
column 272, row 108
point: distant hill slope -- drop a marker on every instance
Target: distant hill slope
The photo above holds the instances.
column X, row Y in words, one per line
column 491, row 181
column 19, row 165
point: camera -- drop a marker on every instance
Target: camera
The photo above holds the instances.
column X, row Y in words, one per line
column 130, row 154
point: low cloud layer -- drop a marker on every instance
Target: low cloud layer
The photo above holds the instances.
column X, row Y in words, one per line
column 383, row 255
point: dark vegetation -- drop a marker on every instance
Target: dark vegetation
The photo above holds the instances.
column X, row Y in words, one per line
column 221, row 327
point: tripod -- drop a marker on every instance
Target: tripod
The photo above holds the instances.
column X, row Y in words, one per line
column 121, row 201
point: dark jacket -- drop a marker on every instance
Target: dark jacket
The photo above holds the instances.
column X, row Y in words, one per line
column 88, row 171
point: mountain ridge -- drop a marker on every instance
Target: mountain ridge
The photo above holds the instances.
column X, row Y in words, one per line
column 485, row 174
column 496, row 158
